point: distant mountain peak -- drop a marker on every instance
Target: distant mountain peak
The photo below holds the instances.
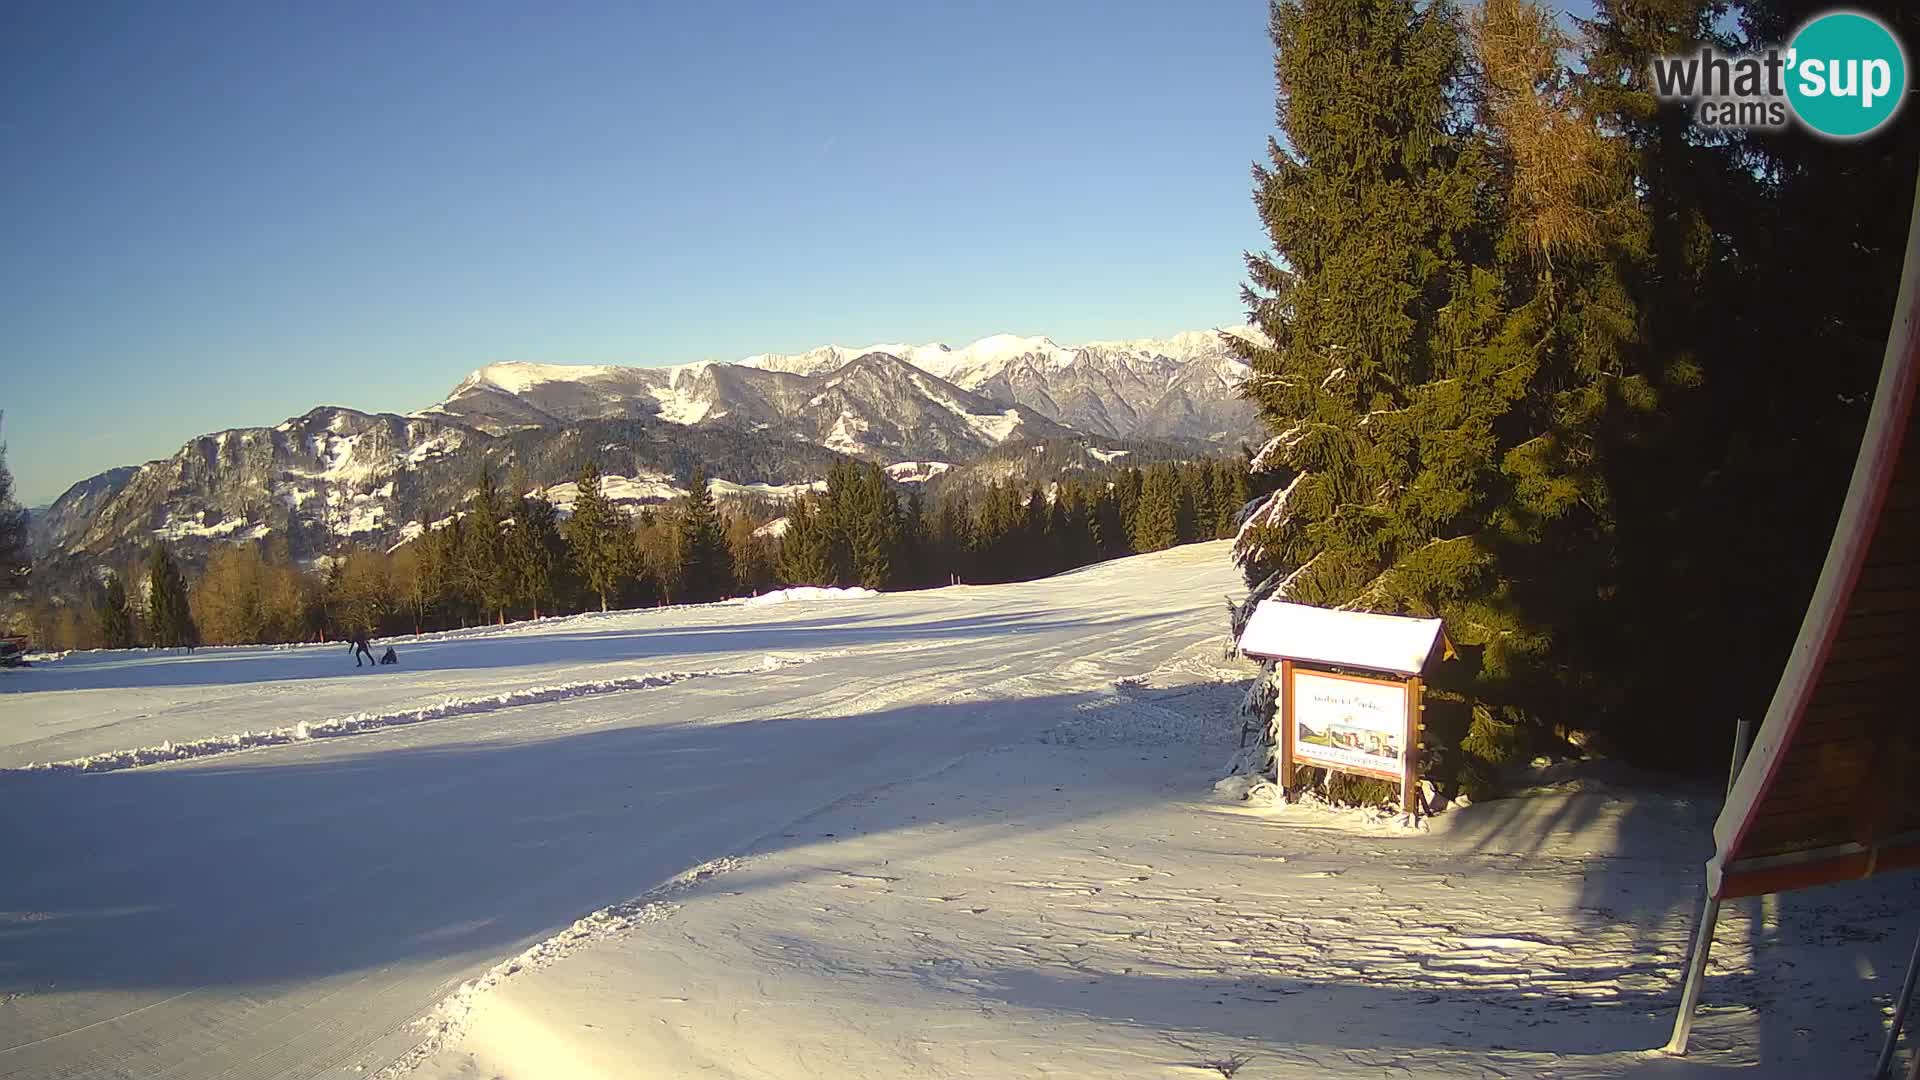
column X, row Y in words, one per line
column 519, row 376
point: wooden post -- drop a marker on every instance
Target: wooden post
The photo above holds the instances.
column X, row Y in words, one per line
column 1285, row 770
column 1410, row 780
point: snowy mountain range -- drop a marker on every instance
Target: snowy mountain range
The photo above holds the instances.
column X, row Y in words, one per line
column 762, row 425
column 895, row 400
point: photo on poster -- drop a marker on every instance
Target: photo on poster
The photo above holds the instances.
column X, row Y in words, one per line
column 1346, row 723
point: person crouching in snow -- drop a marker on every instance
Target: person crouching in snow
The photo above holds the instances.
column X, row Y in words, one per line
column 360, row 646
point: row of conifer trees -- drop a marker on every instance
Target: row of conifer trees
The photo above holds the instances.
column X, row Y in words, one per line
column 510, row 555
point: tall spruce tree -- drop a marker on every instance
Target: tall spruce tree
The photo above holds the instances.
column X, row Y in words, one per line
column 1074, row 537
column 806, row 548
column 536, row 554
column 483, row 549
column 1371, row 208
column 1186, row 505
column 1156, row 519
column 954, row 539
column 916, row 543
column 705, row 567
column 1106, row 525
column 169, row 616
column 113, row 615
column 870, row 516
column 1126, row 494
column 1206, row 507
column 597, row 536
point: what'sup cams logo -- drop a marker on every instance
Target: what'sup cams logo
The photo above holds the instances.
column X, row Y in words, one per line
column 1844, row 76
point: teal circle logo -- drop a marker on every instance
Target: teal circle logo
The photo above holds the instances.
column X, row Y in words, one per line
column 1847, row 74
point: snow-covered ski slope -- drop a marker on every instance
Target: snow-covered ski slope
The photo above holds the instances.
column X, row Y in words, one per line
column 961, row 833
column 289, row 910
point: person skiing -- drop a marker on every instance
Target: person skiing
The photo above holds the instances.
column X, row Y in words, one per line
column 360, row 646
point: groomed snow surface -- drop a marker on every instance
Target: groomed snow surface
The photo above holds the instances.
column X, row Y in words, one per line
column 968, row 832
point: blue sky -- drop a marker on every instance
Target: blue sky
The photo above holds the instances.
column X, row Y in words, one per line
column 219, row 215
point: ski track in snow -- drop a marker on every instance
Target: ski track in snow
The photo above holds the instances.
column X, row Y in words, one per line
column 448, row 1020
column 362, row 722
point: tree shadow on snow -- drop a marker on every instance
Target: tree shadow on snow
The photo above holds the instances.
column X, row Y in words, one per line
column 339, row 856
column 1784, row 967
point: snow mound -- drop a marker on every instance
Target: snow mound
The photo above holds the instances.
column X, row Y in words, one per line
column 810, row 592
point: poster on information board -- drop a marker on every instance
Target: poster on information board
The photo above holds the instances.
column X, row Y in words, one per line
column 1350, row 723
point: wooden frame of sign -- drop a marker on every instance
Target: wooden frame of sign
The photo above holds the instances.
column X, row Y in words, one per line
column 1394, row 706
column 1350, row 689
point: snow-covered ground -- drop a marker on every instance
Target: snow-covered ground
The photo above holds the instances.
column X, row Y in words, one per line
column 1082, row 905
column 966, row 832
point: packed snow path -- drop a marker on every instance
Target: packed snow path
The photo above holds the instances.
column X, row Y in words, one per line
column 290, row 910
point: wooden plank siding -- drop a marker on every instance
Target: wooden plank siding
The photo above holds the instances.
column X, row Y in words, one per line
column 1831, row 789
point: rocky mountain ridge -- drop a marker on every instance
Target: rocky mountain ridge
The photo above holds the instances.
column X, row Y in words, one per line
column 764, row 424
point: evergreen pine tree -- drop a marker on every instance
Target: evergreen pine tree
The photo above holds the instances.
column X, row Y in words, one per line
column 806, row 549
column 169, row 617
column 1156, row 518
column 954, row 539
column 1370, row 206
column 991, row 530
column 1185, row 507
column 536, row 554
column 705, row 568
column 1056, row 549
column 871, row 518
column 597, row 536
column 1031, row 558
column 1206, row 503
column 483, row 550
column 1235, row 498
column 916, row 543
column 1074, row 539
column 1107, row 526
column 455, row 595
column 113, row 615
column 1126, row 494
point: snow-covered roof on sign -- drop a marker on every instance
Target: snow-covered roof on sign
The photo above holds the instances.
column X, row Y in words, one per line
column 1279, row 630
